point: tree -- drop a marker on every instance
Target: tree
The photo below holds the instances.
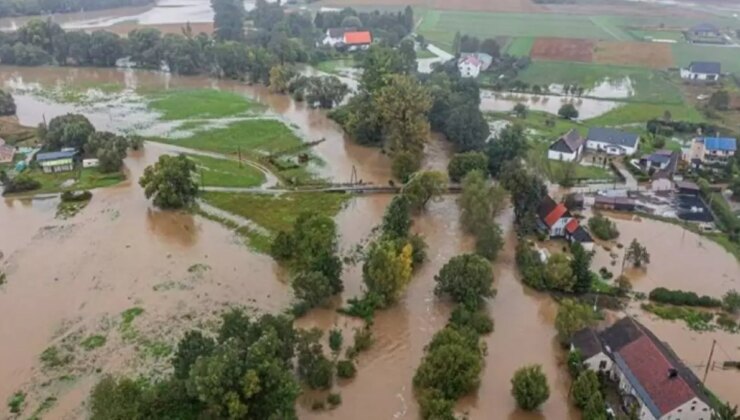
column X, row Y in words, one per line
column 335, row 340
column 404, row 165
column 403, row 104
column 313, row 288
column 585, row 385
column 105, row 49
column 529, row 387
column 170, row 182
column 7, row 104
column 192, row 346
column 397, row 218
column 387, row 270
column 351, row 22
column 568, row 112
column 228, row 19
column 603, row 228
column 280, row 78
column 558, row 273
column 731, row 301
column 575, row 363
column 720, row 100
column 467, row 128
column 467, row 279
column 510, row 145
column 476, row 206
column 490, row 46
column 69, row 130
column 526, row 191
column 325, row 91
column 637, row 254
column 115, row 399
column 489, row 240
column 379, row 67
column 315, row 369
column 463, row 163
column 407, row 50
column 423, row 187
column 580, row 266
column 735, row 188
column 145, row 47
column 20, row 183
column 108, row 148
column 520, row 110
column 595, row 409
column 725, row 412
column 572, row 317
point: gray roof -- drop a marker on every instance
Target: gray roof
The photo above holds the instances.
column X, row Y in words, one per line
column 613, row 137
column 705, row 67
column 587, row 342
column 621, row 333
column 40, row 157
column 568, row 142
column 705, row 27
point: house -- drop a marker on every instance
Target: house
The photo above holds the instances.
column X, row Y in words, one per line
column 350, row 38
column 469, row 66
column 612, row 142
column 568, row 147
column 7, row 152
column 710, row 149
column 661, row 166
column 702, row 70
column 556, row 221
column 485, row 59
column 334, row 36
column 614, row 203
column 649, row 376
column 54, row 162
column 705, row 30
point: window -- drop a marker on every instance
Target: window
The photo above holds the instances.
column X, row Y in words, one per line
column 602, row 365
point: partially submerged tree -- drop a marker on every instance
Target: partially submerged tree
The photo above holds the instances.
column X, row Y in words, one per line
column 467, row 279
column 423, row 187
column 637, row 254
column 7, row 104
column 463, row 163
column 170, row 182
column 69, row 130
column 529, row 387
column 572, row 317
column 568, row 112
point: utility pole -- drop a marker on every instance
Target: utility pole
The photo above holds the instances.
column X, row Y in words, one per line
column 202, row 180
column 239, row 153
column 709, row 362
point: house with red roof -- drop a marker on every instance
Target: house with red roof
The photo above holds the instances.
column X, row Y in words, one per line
column 557, row 222
column 351, row 39
column 649, row 376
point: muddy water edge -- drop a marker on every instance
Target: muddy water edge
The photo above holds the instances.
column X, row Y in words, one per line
column 72, row 279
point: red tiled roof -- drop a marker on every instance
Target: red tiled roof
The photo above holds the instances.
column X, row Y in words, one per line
column 572, row 226
column 555, row 214
column 355, row 38
column 650, row 367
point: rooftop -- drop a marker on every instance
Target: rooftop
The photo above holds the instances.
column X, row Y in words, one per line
column 40, row 157
column 613, row 137
column 559, row 211
column 705, row 67
column 358, row 38
column 727, row 144
column 571, row 141
column 587, row 342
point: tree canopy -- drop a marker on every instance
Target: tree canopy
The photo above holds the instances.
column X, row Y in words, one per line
column 69, row 130
column 7, row 104
column 423, row 187
column 467, row 279
column 170, row 182
column 529, row 387
column 463, row 163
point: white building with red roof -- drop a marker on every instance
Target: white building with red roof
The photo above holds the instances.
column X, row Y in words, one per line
column 557, row 222
column 470, row 66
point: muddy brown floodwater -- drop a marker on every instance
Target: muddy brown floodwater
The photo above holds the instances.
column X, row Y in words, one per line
column 74, row 278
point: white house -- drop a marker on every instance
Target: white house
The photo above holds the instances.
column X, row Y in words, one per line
column 648, row 374
column 612, row 142
column 469, row 66
column 702, row 70
column 334, row 37
column 568, row 147
column 556, row 221
column 709, row 149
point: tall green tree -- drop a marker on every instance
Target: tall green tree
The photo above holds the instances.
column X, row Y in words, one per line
column 387, row 270
column 510, row 145
column 463, row 163
column 476, row 206
column 467, row 279
column 585, row 385
column 529, row 387
column 403, row 104
column 314, row 368
column 228, row 19
column 466, row 128
column 192, row 346
column 379, row 66
column 170, row 182
column 637, row 254
column 581, row 267
column 572, row 317
column 397, row 218
column 69, row 130
column 423, row 187
column 527, row 191
column 559, row 274
column 595, row 408
column 7, row 104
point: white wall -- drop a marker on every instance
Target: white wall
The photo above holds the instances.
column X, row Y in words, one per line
column 597, row 145
column 468, row 70
column 662, row 184
column 684, row 412
column 555, row 155
column 594, row 362
column 686, row 74
column 558, row 229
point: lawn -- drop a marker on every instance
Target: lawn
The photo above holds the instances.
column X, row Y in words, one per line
column 214, row 172
column 649, row 85
column 684, row 54
column 555, row 170
column 336, row 66
column 200, row 103
column 250, row 137
column 439, row 27
column 520, row 47
column 636, row 113
column 276, row 213
column 86, row 179
column 647, row 35
column 538, row 121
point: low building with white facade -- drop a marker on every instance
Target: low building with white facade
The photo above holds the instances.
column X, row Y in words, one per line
column 568, row 147
column 469, row 66
column 612, row 142
column 708, row 71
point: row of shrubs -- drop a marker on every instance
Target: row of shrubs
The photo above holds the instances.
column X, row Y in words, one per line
column 680, row 297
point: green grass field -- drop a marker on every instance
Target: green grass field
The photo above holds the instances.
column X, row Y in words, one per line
column 214, row 172
column 649, row 85
column 638, row 113
column 251, row 137
column 200, row 103
column 276, row 212
column 334, row 66
column 86, row 179
column 520, row 47
column 729, row 57
column 640, row 35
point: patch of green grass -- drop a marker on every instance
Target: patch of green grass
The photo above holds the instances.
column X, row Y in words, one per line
column 93, row 342
column 43, row 408
column 648, row 85
column 335, row 66
column 520, row 46
column 582, row 172
column 16, row 402
column 127, row 319
column 276, row 212
column 684, row 54
column 85, row 179
column 52, row 357
column 213, row 172
column 154, row 349
column 695, row 319
column 200, row 103
column 251, row 137
column 647, row 35
column 639, row 113
column 544, row 126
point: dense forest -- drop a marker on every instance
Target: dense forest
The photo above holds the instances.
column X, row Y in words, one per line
column 42, row 7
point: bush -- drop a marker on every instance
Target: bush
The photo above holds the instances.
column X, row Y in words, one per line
column 529, row 387
column 71, row 197
column 679, row 297
column 476, row 320
column 731, row 301
column 346, row 369
column 463, row 163
column 334, row 399
column 603, row 228
column 21, row 183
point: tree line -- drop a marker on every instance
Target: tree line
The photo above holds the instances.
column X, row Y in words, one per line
column 39, row 7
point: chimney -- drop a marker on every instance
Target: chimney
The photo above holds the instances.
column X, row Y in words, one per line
column 672, row 373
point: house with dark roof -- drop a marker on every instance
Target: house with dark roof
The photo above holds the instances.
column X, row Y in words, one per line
column 647, row 372
column 556, row 221
column 708, row 71
column 612, row 142
column 568, row 147
column 661, row 165
column 705, row 30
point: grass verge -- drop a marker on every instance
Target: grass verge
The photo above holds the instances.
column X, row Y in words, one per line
column 695, row 319
column 213, row 172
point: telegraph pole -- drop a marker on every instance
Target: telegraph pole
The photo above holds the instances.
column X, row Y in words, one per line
column 709, row 362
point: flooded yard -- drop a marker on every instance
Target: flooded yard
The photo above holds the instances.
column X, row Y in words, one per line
column 505, row 102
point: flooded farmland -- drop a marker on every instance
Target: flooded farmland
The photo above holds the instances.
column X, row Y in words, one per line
column 505, row 102
column 75, row 278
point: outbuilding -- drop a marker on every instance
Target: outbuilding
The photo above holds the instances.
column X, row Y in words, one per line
column 568, row 147
column 54, row 162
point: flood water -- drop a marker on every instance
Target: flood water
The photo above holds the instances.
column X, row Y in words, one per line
column 505, row 102
column 76, row 276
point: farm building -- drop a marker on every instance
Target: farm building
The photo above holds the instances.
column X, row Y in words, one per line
column 651, row 379
column 569, row 147
column 710, row 149
column 7, row 152
column 612, row 142
column 54, row 162
column 702, row 70
column 349, row 38
column 470, row 66
column 556, row 221
column 705, row 30
column 614, row 203
column 90, row 163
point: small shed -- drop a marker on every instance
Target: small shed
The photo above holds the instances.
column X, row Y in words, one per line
column 90, row 163
column 687, row 187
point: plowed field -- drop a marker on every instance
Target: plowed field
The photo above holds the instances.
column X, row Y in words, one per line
column 563, row 49
column 641, row 54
